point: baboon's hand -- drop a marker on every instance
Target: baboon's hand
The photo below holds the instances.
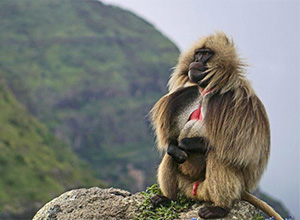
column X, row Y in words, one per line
column 193, row 145
column 179, row 155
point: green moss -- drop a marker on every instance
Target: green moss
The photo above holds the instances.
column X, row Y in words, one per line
column 145, row 211
column 258, row 217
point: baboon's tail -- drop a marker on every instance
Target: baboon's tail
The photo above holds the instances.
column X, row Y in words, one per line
column 261, row 205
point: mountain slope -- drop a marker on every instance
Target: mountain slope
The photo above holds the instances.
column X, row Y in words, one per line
column 34, row 165
column 91, row 73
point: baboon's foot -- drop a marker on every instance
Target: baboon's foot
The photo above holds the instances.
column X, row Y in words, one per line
column 158, row 200
column 213, row 212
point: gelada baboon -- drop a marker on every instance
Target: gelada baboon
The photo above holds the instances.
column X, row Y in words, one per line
column 213, row 129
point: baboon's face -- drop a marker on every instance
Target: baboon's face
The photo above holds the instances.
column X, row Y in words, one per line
column 198, row 68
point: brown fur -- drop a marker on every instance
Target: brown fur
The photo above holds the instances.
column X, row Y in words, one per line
column 235, row 124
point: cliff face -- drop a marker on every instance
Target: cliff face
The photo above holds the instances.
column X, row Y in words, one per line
column 97, row 203
column 90, row 72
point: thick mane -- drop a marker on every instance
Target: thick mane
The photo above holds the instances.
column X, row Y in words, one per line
column 236, row 125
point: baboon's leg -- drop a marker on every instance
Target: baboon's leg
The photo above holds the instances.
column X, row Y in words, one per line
column 167, row 179
column 223, row 184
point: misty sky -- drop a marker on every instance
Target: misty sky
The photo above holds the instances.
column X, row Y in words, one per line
column 267, row 35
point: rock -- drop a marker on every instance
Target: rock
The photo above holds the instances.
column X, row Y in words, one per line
column 97, row 203
column 93, row 203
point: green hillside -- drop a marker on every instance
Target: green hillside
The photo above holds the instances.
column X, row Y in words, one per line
column 90, row 72
column 34, row 165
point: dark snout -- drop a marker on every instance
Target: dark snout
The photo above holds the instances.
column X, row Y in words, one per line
column 197, row 71
column 197, row 66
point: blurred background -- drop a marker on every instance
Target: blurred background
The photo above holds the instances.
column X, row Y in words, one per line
column 78, row 78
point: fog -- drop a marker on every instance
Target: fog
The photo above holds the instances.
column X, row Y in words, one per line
column 267, row 35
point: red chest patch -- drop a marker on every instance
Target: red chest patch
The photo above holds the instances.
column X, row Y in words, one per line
column 196, row 115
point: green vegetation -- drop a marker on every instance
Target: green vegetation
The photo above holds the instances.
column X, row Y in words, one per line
column 34, row 165
column 161, row 213
column 90, row 72
column 258, row 217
